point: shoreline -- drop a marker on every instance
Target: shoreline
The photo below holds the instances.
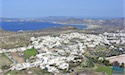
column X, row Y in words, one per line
column 89, row 26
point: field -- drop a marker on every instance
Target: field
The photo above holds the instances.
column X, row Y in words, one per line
column 101, row 48
column 35, row 71
column 105, row 69
column 30, row 52
column 18, row 58
column 4, row 60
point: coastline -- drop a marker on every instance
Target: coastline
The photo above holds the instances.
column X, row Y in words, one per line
column 81, row 26
column 89, row 26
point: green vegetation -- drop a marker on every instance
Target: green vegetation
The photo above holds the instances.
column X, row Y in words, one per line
column 38, row 71
column 5, row 67
column 101, row 48
column 30, row 52
column 45, row 72
column 12, row 72
column 15, row 72
column 87, row 64
column 4, row 61
column 35, row 71
column 105, row 69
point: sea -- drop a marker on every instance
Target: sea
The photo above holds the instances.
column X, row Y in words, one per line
column 26, row 26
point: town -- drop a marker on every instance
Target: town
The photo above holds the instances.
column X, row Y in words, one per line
column 57, row 53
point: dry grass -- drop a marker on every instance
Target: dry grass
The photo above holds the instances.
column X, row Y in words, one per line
column 4, row 60
column 16, row 57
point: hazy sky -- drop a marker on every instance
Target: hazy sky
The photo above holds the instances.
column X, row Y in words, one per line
column 77, row 8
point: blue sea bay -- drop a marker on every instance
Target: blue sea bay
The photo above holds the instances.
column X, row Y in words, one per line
column 17, row 26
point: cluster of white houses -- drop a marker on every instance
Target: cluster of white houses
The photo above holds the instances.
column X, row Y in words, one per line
column 55, row 52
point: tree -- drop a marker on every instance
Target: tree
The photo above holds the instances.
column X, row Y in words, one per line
column 4, row 67
column 122, row 65
column 106, row 62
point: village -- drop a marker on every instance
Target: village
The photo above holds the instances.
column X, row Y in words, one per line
column 55, row 53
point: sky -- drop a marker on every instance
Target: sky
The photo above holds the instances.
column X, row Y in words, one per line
column 74, row 8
